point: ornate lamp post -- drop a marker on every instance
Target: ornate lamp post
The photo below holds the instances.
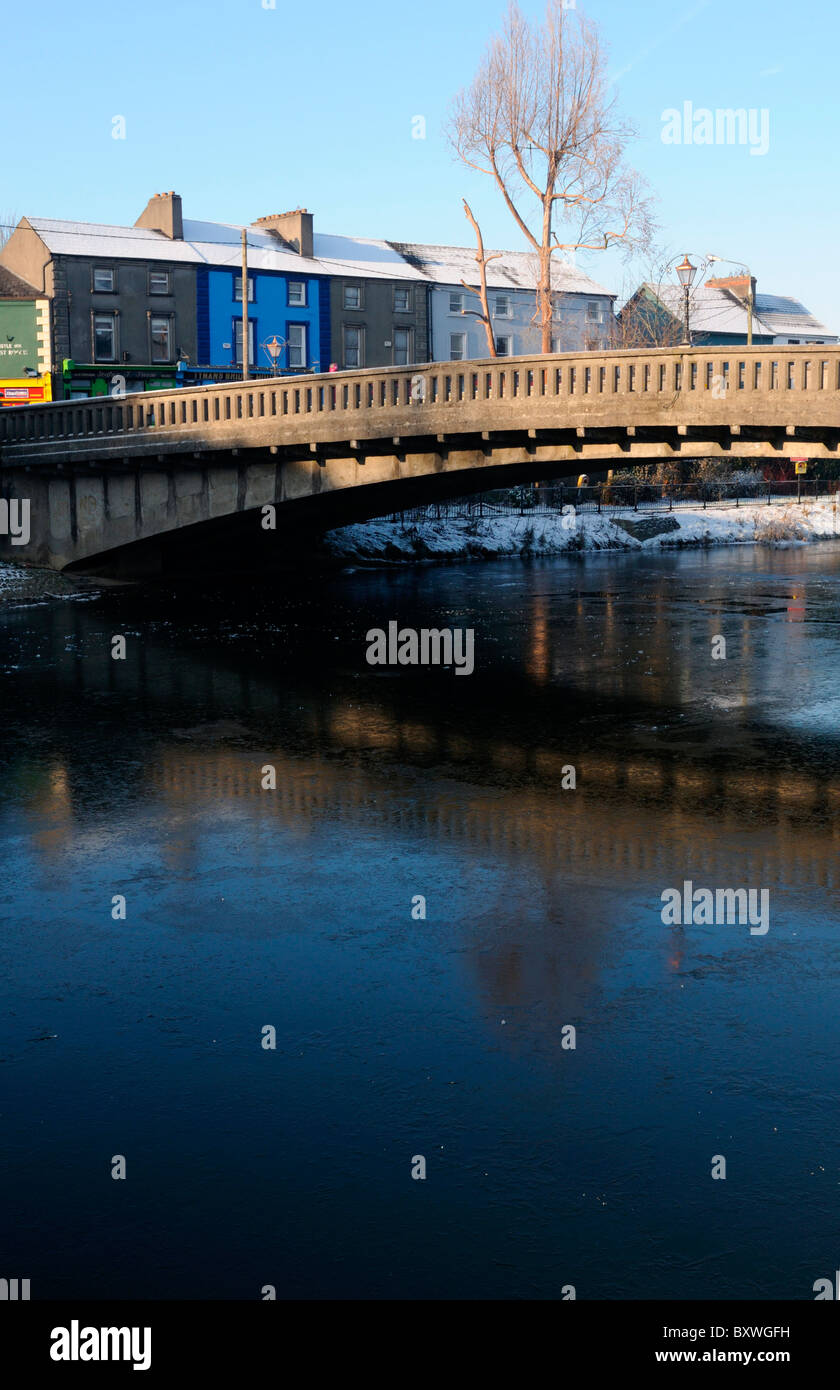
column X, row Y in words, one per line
column 274, row 349
column 686, row 273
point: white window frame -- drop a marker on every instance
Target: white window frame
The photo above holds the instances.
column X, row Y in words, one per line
column 507, row 312
column 507, row 339
column 237, row 289
column 455, row 296
column 104, row 270
column 459, row 354
column 296, row 351
column 597, row 317
column 351, row 290
column 353, row 328
column 402, row 290
column 237, row 342
column 167, row 276
column 112, row 317
column 409, row 353
column 301, row 286
column 168, row 319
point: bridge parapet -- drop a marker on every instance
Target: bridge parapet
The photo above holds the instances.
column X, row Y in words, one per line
column 780, row 388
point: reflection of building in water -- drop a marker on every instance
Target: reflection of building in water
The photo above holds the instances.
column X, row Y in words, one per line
column 639, row 817
column 47, row 801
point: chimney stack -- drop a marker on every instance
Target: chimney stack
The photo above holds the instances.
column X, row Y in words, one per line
column 295, row 228
column 742, row 286
column 163, row 214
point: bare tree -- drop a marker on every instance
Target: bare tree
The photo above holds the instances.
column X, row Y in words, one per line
column 8, row 222
column 539, row 120
column 652, row 315
column 482, row 258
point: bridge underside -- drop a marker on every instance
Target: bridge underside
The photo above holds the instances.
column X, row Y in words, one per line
column 202, row 508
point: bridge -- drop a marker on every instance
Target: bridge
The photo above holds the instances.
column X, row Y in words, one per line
column 124, row 484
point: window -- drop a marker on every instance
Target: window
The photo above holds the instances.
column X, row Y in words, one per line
column 504, row 347
column 160, row 282
column 160, row 337
column 354, row 345
column 104, row 337
column 103, row 280
column 352, row 296
column 296, row 344
column 237, row 329
column 503, row 306
column 456, row 302
column 402, row 299
column 297, row 292
column 402, row 347
column 457, row 347
column 237, row 288
column 593, row 311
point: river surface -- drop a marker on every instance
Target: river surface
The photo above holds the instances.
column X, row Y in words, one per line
column 400, row 1037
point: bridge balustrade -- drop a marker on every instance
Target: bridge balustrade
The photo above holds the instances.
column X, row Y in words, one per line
column 717, row 373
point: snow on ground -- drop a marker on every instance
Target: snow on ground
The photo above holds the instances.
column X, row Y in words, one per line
column 780, row 523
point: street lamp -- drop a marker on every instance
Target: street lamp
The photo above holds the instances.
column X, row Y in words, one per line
column 686, row 273
column 750, row 301
column 274, row 349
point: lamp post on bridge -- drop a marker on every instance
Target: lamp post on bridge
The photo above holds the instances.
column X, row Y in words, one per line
column 686, row 273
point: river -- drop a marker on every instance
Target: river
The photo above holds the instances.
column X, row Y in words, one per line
column 399, row 1037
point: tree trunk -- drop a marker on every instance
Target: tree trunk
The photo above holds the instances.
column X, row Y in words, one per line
column 482, row 282
column 546, row 307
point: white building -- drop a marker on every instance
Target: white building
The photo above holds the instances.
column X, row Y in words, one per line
column 583, row 314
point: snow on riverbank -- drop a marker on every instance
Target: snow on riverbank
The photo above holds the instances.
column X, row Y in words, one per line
column 782, row 523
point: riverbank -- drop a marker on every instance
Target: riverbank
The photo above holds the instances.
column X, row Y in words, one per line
column 784, row 523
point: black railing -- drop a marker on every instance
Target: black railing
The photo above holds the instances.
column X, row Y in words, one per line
column 603, row 497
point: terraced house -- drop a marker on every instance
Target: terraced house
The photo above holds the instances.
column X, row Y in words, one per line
column 583, row 310
column 160, row 303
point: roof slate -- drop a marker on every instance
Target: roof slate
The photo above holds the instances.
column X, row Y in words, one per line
column 219, row 244
column 716, row 310
column 449, row 265
column 13, row 287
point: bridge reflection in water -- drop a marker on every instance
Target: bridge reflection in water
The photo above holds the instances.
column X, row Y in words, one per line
column 384, row 763
column 441, row 1036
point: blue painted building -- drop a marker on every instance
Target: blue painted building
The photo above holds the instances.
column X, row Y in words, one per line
column 292, row 308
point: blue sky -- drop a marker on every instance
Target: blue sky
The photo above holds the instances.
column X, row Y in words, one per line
column 245, row 111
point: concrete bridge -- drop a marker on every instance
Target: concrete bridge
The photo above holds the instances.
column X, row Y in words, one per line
column 131, row 483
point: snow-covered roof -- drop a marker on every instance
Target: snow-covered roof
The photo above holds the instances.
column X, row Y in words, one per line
column 788, row 316
column 375, row 259
column 717, row 310
column 219, row 244
column 449, row 265
column 96, row 239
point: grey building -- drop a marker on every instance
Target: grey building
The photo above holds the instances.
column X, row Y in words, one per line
column 122, row 298
column 379, row 303
column 582, row 310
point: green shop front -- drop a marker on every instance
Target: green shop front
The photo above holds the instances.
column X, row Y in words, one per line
column 80, row 380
